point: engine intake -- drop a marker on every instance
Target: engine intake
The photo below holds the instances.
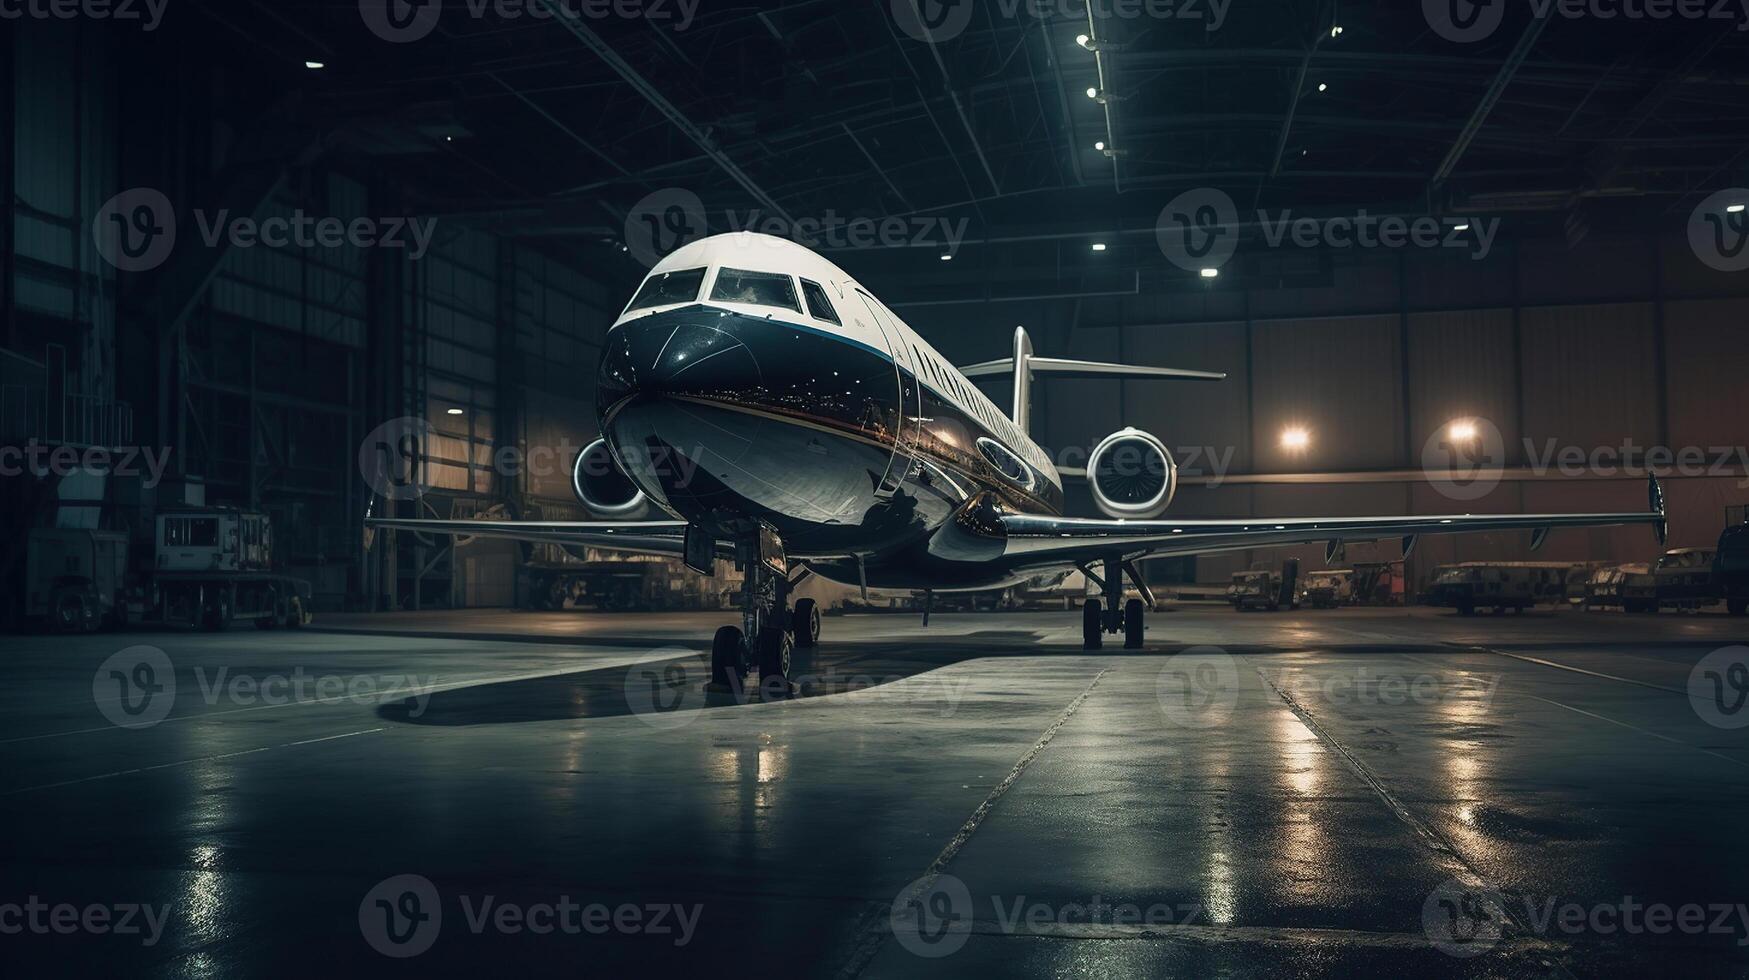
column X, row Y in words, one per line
column 601, row 485
column 1132, row 475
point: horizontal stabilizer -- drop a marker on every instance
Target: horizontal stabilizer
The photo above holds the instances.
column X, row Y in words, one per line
column 1062, row 367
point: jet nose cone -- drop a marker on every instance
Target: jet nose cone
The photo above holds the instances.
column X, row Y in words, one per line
column 684, row 353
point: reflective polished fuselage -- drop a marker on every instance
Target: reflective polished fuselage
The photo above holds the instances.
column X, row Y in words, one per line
column 871, row 457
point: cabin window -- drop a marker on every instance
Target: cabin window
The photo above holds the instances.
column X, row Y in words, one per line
column 755, row 289
column 819, row 307
column 667, row 288
column 1006, row 462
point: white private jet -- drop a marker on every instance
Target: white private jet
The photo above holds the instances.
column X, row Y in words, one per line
column 791, row 423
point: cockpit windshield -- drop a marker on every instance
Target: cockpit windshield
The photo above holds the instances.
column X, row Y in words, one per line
column 667, row 288
column 755, row 288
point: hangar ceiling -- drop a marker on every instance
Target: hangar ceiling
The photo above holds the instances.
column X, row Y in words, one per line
column 554, row 127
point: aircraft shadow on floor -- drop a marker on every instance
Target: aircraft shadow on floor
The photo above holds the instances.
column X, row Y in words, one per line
column 670, row 685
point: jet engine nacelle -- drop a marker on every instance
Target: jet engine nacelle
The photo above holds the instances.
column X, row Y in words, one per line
column 1132, row 475
column 602, row 486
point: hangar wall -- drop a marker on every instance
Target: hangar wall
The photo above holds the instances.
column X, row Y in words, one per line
column 261, row 368
column 1591, row 346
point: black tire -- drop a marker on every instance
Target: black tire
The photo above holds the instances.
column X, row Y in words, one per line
column 1466, row 609
column 218, row 614
column 728, row 663
column 1737, row 607
column 1133, row 611
column 775, row 646
column 1092, row 630
column 806, row 624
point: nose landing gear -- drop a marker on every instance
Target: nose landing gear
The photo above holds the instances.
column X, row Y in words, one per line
column 766, row 617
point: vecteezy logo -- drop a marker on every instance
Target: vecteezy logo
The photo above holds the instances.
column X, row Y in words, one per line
column 135, row 688
column 932, row 916
column 1465, row 459
column 932, row 21
column 1464, row 21
column 400, row 21
column 1199, row 687
column 666, row 689
column 662, row 222
column 1462, row 921
column 1198, row 229
column 393, row 458
column 135, row 230
column 1718, row 230
column 1718, row 688
column 401, row 916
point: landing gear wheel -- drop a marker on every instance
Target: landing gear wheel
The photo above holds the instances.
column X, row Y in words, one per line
column 774, row 652
column 728, row 665
column 218, row 615
column 1132, row 624
column 1092, row 631
column 806, row 624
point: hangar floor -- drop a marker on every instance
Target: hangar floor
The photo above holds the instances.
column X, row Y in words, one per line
column 1322, row 795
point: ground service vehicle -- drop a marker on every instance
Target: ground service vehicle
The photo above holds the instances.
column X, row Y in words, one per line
column 1328, row 589
column 212, row 566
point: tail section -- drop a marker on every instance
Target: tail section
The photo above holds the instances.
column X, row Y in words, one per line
column 1024, row 364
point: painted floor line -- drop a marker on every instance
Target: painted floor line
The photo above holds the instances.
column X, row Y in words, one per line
column 875, row 926
column 188, row 762
column 1642, row 731
column 1464, row 870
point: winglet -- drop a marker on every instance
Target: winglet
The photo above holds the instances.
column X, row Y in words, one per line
column 1655, row 495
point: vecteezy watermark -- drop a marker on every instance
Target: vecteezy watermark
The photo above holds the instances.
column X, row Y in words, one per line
column 136, row 231
column 62, row 461
column 936, row 21
column 1465, row 921
column 666, row 688
column 402, row 916
column 1198, row 688
column 147, row 13
column 666, row 219
column 41, row 918
column 1466, row 458
column 1365, row 686
column 1718, row 688
column 1194, row 462
column 300, row 687
column 1718, row 230
column 405, row 21
column 1468, row 21
column 135, row 687
column 1199, row 231
column 395, row 460
column 934, row 916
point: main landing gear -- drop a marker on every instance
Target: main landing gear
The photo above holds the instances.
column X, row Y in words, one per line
column 776, row 630
column 1098, row 619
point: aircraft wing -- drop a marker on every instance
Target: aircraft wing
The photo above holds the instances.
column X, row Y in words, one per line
column 665, row 538
column 1042, row 541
